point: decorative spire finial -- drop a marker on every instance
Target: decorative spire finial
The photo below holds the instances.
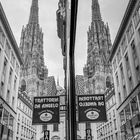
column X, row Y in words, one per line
column 34, row 12
column 96, row 15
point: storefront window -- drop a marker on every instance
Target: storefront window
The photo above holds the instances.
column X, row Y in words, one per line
column 127, row 112
column 10, row 135
column 122, row 117
column 11, row 122
column 134, row 106
column 5, row 117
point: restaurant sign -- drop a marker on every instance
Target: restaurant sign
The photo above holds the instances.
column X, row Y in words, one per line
column 46, row 110
column 91, row 108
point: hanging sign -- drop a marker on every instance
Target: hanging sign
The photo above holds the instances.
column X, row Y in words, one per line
column 46, row 110
column 91, row 108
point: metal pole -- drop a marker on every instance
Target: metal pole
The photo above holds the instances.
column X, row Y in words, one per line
column 72, row 128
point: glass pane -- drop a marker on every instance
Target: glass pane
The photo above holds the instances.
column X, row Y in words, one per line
column 134, row 106
column 127, row 112
column 5, row 117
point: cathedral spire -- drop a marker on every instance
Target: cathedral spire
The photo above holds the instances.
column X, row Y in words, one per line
column 96, row 15
column 34, row 12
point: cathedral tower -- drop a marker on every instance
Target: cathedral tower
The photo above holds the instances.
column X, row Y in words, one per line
column 33, row 72
column 97, row 69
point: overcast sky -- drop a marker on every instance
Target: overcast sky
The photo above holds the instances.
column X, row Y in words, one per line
column 17, row 12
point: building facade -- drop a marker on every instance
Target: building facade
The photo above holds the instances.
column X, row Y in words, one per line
column 125, row 59
column 109, row 130
column 25, row 130
column 10, row 61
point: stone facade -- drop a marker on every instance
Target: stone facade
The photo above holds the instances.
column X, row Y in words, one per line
column 125, row 59
column 10, row 62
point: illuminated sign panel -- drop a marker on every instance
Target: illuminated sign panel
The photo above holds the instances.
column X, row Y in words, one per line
column 91, row 108
column 46, row 110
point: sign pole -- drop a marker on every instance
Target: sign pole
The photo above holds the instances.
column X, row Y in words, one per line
column 71, row 102
column 46, row 134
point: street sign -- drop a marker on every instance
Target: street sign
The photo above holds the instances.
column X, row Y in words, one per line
column 46, row 134
column 46, row 110
column 91, row 108
column 88, row 134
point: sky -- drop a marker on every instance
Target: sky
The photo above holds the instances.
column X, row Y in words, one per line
column 17, row 12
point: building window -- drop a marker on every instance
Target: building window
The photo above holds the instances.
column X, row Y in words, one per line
column 111, row 126
column 129, row 72
column 17, row 68
column 124, row 91
column 120, row 99
column 127, row 112
column 127, row 62
column 7, row 49
column 134, row 106
column 4, row 68
column 130, row 31
column 135, row 59
column 10, row 76
column 117, row 80
column 114, row 64
column 55, row 127
column 13, row 60
column 119, row 55
column 5, row 117
column 123, row 44
column 136, row 17
column 122, row 117
column 13, row 101
column 122, row 73
column 15, row 82
column 18, row 116
column 2, row 37
column 2, row 89
column 113, row 113
column 11, row 122
column 116, row 135
column 18, row 128
column 8, row 96
column 134, row 52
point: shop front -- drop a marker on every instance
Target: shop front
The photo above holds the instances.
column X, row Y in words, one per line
column 6, row 124
column 131, row 129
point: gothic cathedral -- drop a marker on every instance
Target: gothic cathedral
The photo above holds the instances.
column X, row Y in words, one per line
column 97, row 70
column 33, row 73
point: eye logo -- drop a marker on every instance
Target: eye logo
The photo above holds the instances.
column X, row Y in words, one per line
column 45, row 117
column 92, row 115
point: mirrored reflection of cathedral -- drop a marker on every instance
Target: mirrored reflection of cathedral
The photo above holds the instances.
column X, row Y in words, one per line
column 34, row 72
column 97, row 70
